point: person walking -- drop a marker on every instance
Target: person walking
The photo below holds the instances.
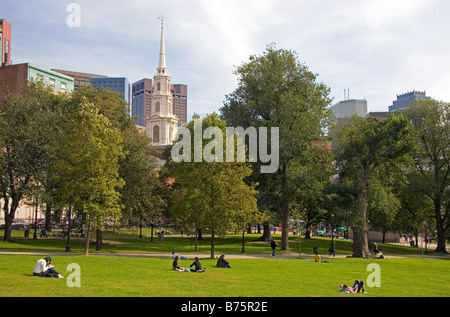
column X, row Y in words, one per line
column 332, row 249
column 273, row 245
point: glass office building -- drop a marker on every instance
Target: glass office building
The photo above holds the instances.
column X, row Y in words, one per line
column 119, row 84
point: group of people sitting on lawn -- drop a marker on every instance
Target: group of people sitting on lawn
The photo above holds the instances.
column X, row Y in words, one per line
column 221, row 262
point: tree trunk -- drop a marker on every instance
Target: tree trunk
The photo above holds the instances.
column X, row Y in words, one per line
column 360, row 229
column 196, row 239
column 98, row 245
column 48, row 217
column 284, row 210
column 10, row 213
column 267, row 234
column 69, row 227
column 151, row 232
column 88, row 236
column 439, row 229
column 212, row 244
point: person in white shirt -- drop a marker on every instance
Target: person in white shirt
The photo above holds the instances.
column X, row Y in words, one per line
column 43, row 268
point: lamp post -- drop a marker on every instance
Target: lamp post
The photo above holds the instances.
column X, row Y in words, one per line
column 300, row 239
column 35, row 220
column 243, row 241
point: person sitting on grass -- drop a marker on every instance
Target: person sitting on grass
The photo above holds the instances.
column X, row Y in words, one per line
column 358, row 286
column 221, row 262
column 197, row 266
column 176, row 267
column 43, row 268
column 317, row 257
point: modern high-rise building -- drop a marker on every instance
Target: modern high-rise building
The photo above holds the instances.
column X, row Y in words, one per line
column 407, row 99
column 348, row 108
column 119, row 84
column 5, row 43
column 142, row 91
column 141, row 103
column 81, row 79
column 179, row 94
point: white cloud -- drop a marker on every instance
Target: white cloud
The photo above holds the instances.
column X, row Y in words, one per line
column 367, row 46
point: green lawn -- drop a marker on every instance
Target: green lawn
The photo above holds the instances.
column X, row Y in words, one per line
column 105, row 274
column 128, row 242
column 113, row 276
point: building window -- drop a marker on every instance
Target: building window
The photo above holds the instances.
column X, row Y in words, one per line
column 158, row 86
column 155, row 134
column 157, row 107
column 52, row 83
column 63, row 87
column 40, row 77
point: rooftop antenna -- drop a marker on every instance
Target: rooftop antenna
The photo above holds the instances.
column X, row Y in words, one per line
column 346, row 94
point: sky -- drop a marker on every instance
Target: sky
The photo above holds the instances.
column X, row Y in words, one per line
column 374, row 49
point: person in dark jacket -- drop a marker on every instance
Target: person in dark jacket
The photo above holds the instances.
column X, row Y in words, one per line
column 273, row 245
column 197, row 266
column 221, row 262
column 332, row 249
column 175, row 265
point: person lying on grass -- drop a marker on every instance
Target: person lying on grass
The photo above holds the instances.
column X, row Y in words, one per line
column 358, row 286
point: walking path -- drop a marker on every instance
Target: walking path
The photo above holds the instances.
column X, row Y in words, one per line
column 205, row 256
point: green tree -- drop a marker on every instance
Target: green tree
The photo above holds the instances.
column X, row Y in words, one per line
column 416, row 212
column 276, row 90
column 430, row 124
column 382, row 206
column 141, row 194
column 309, row 176
column 87, row 166
column 363, row 148
column 211, row 194
column 27, row 122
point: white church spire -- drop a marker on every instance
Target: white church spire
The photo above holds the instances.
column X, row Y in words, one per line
column 162, row 50
column 162, row 125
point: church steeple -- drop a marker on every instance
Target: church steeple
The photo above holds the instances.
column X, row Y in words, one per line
column 162, row 69
column 162, row 126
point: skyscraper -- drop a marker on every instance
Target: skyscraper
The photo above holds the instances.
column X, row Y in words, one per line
column 179, row 94
column 347, row 108
column 407, row 99
column 119, row 84
column 5, row 43
column 142, row 100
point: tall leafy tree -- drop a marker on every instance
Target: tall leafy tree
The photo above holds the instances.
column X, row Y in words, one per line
column 277, row 90
column 27, row 124
column 141, row 194
column 430, row 121
column 365, row 147
column 211, row 194
column 310, row 175
column 87, row 166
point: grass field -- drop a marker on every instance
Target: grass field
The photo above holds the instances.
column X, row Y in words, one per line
column 114, row 276
column 106, row 274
